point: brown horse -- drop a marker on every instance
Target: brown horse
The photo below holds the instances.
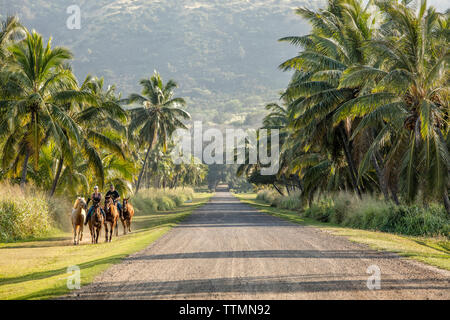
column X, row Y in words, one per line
column 112, row 215
column 95, row 223
column 128, row 213
column 78, row 216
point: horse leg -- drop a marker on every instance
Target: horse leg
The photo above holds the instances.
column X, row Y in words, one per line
column 124, row 224
column 91, row 229
column 111, row 230
column 78, row 234
column 95, row 232
column 74, row 234
column 81, row 232
column 106, row 232
column 116, row 227
column 98, row 233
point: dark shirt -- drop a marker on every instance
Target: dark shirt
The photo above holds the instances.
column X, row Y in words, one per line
column 95, row 198
column 113, row 194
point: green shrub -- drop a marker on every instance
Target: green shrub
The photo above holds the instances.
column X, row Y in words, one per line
column 418, row 221
column 268, row 196
column 374, row 214
column 165, row 203
column 291, row 202
column 319, row 211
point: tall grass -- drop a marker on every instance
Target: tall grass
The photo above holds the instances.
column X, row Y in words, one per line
column 28, row 213
column 161, row 199
column 267, row 196
column 368, row 213
column 374, row 214
column 291, row 202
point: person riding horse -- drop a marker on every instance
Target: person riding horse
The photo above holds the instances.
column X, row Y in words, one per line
column 96, row 199
column 114, row 194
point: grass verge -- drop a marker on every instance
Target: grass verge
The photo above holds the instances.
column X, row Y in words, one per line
column 432, row 251
column 38, row 269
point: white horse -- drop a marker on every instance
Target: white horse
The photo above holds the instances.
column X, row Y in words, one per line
column 78, row 217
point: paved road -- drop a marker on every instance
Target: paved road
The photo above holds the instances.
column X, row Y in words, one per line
column 228, row 250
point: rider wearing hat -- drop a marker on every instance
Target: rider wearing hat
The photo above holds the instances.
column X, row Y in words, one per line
column 96, row 199
column 114, row 194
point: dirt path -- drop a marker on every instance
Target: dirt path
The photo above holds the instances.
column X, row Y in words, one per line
column 228, row 250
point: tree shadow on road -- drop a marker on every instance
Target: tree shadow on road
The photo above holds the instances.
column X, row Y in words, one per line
column 254, row 285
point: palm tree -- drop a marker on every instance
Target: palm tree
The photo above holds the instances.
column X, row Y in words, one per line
column 158, row 116
column 10, row 31
column 102, row 130
column 408, row 97
column 334, row 45
column 38, row 86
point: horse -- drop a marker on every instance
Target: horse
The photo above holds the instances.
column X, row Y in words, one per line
column 112, row 215
column 78, row 216
column 95, row 223
column 127, row 215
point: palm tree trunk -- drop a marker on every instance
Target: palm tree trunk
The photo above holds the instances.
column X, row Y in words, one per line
column 23, row 178
column 381, row 178
column 276, row 188
column 142, row 171
column 299, row 183
column 175, row 182
column 394, row 196
column 351, row 165
column 286, row 186
column 57, row 175
column 446, row 201
column 445, row 194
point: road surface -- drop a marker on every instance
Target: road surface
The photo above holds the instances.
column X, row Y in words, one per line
column 229, row 250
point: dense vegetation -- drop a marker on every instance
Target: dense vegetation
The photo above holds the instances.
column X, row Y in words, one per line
column 367, row 109
column 368, row 213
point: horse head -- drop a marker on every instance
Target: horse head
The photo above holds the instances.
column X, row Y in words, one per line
column 79, row 203
column 125, row 204
column 108, row 202
column 82, row 202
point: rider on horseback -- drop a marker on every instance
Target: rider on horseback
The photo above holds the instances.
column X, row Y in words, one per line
column 114, row 194
column 96, row 198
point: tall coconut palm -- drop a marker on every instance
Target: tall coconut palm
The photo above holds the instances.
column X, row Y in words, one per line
column 33, row 103
column 338, row 33
column 158, row 116
column 409, row 98
column 101, row 126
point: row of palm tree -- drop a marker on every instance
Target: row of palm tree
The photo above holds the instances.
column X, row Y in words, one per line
column 66, row 137
column 367, row 108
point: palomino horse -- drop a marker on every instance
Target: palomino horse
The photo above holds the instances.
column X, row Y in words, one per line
column 78, row 216
column 112, row 215
column 95, row 223
column 128, row 213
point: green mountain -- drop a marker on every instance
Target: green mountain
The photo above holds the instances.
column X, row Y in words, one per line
column 223, row 54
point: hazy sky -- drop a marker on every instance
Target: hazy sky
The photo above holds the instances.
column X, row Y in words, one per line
column 441, row 5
